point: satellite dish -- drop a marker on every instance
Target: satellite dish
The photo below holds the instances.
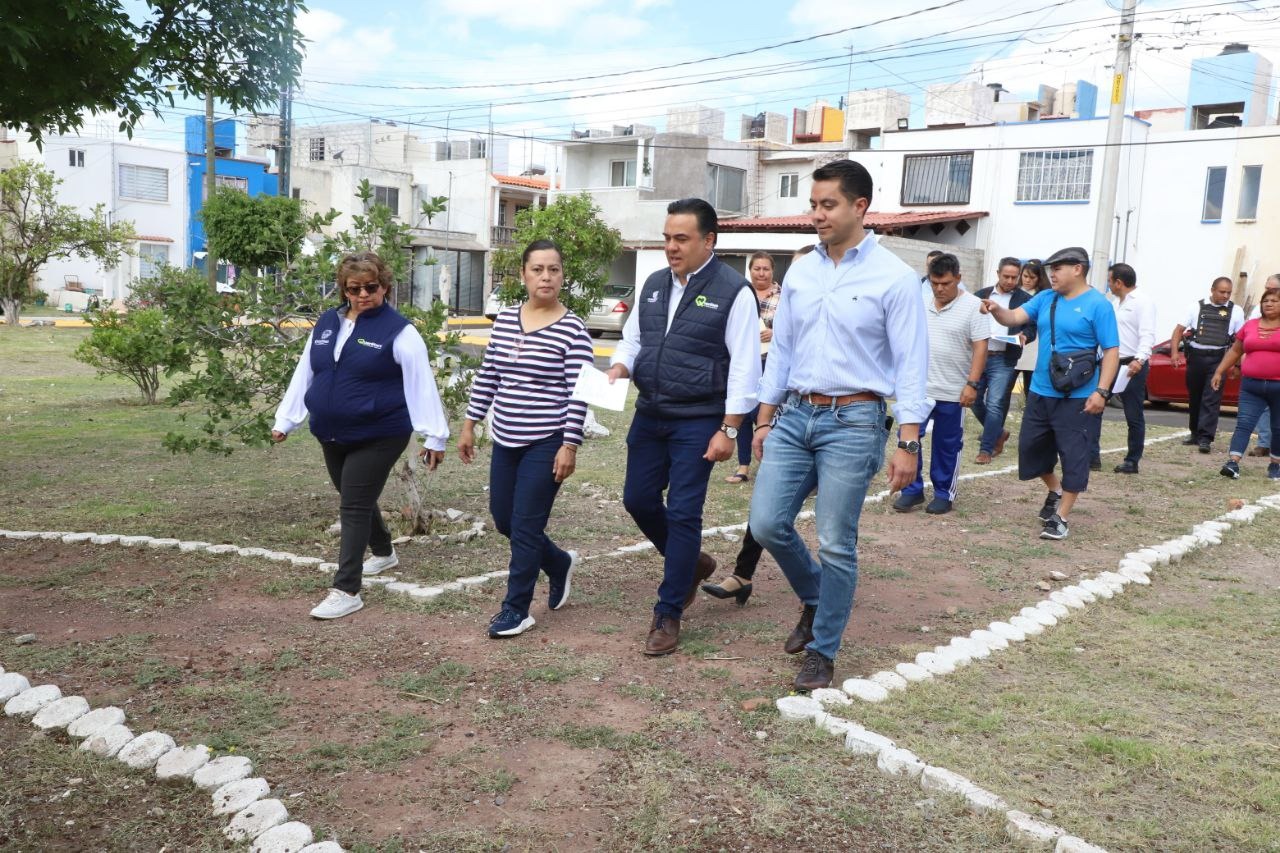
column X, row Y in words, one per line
column 337, row 155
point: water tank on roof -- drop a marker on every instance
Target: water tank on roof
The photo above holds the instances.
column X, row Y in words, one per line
column 1234, row 47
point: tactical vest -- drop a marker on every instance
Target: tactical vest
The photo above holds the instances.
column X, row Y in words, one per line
column 1212, row 325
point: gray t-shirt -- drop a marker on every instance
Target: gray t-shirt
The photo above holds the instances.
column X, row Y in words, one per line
column 952, row 333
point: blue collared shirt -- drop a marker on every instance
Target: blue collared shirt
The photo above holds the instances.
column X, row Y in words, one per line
column 857, row 325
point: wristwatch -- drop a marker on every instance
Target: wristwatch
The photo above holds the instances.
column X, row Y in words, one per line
column 1105, row 393
column 972, row 384
column 912, row 447
column 732, row 432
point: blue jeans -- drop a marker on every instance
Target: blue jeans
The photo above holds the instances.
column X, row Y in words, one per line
column 992, row 404
column 522, row 488
column 1256, row 397
column 944, row 461
column 665, row 454
column 837, row 452
column 1264, row 429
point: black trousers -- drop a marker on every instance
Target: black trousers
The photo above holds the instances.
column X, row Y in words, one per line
column 748, row 557
column 359, row 472
column 1133, row 396
column 1202, row 417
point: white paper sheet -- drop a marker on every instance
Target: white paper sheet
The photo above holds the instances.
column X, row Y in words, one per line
column 1008, row 339
column 593, row 388
column 1122, row 380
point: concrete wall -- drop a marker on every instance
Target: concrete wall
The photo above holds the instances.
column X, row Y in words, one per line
column 1229, row 78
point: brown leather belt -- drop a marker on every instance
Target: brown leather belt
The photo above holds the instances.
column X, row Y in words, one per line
column 817, row 399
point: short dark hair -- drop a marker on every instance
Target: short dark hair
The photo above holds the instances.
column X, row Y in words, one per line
column 855, row 180
column 1009, row 261
column 1124, row 274
column 944, row 264
column 708, row 222
column 932, row 255
column 539, row 246
column 1225, row 278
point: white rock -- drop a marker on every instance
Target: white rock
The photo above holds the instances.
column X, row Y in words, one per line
column 326, row 846
column 255, row 819
column 107, row 742
column 1099, row 589
column 1043, row 618
column 1010, row 633
column 1071, row 844
column 376, row 580
column 837, row 726
column 280, row 556
column 51, row 535
column 306, row 561
column 254, row 552
column 1220, row 526
column 475, row 580
column 1027, row 626
column 220, row 771
column 864, row 689
column 898, row 762
column 992, row 641
column 26, row 703
column 222, row 549
column 333, row 567
column 1144, row 555
column 798, row 707
column 1054, row 609
column 190, row 545
column 1137, row 577
column 944, row 781
column 1067, row 599
column 821, row 719
column 1022, row 827
column 502, row 574
column 134, row 541
column 95, row 721
column 455, row 586
column 401, row 587
column 830, row 697
column 1080, row 593
column 1117, row 580
column 982, row 801
column 1135, row 565
column 285, row 838
column 859, row 741
column 426, row 592
column 76, row 538
column 105, row 539
column 11, row 684
column 21, row 534
column 60, row 714
column 145, row 750
column 935, row 664
column 182, row 762
column 235, row 796
column 163, row 543
column 971, row 647
column 913, row 672
column 889, row 680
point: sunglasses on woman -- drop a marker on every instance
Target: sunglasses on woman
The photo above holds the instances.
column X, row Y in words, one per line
column 366, row 289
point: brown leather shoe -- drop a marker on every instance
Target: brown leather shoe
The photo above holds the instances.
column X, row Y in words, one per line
column 1004, row 436
column 802, row 634
column 983, row 459
column 702, row 570
column 664, row 636
column 1259, row 451
column 815, row 672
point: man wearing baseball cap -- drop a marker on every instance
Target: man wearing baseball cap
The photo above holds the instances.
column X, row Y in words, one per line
column 1069, row 389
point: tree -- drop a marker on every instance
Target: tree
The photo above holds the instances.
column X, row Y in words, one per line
column 138, row 345
column 35, row 229
column 62, row 60
column 255, row 231
column 588, row 243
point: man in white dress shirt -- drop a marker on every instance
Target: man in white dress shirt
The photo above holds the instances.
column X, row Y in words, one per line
column 1136, row 323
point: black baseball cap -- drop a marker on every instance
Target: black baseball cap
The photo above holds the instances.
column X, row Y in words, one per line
column 1069, row 255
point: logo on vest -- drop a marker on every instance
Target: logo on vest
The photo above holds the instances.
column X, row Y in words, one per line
column 653, row 296
column 324, row 338
column 703, row 302
column 362, row 342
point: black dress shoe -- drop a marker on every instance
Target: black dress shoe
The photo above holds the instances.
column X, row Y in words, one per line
column 802, row 634
column 732, row 587
column 1206, row 447
column 938, row 506
column 815, row 672
column 1190, row 442
column 906, row 503
column 1127, row 467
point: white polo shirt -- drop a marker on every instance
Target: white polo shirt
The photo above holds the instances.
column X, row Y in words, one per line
column 952, row 333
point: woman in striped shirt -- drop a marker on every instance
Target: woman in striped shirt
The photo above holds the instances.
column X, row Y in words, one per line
column 535, row 353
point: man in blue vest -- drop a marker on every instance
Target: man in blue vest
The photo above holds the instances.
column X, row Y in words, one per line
column 692, row 347
column 1210, row 328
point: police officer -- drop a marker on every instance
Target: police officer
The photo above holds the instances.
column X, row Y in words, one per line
column 1209, row 330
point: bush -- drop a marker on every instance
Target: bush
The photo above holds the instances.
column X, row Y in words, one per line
column 139, row 345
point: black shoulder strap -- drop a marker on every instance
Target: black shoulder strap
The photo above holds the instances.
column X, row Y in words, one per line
column 1053, row 312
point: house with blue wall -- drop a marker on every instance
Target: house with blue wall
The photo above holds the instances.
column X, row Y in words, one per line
column 246, row 174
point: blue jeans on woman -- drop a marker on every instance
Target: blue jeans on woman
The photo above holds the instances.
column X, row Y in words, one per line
column 1264, row 429
column 837, row 451
column 991, row 406
column 522, row 489
column 1256, row 396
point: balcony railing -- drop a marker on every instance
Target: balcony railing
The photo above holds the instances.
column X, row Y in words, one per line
column 503, row 235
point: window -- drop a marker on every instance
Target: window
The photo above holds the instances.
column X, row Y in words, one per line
column 789, row 186
column 388, row 196
column 724, row 187
column 1250, row 184
column 232, row 182
column 622, row 173
column 1215, row 186
column 151, row 257
column 76, row 156
column 296, row 193
column 317, row 148
column 144, row 183
column 1055, row 175
column 937, row 178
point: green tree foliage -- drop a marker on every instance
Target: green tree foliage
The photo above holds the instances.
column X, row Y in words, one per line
column 588, row 243
column 255, row 231
column 35, row 229
column 63, row 59
column 139, row 345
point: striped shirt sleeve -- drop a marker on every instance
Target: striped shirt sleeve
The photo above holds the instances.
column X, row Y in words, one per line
column 484, row 385
column 579, row 354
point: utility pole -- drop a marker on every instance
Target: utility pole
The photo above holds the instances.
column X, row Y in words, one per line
column 1101, row 255
column 284, row 160
column 210, row 171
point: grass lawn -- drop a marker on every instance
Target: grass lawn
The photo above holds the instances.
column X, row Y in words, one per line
column 403, row 728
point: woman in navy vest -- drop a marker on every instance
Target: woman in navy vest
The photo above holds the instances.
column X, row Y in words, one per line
column 534, row 356
column 365, row 380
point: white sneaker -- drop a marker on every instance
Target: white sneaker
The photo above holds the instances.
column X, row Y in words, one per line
column 337, row 604
column 558, row 593
column 377, row 565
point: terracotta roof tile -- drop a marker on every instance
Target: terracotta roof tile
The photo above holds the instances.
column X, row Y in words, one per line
column 151, row 238
column 522, row 181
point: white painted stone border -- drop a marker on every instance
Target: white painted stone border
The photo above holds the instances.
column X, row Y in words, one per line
column 895, row 761
column 101, row 731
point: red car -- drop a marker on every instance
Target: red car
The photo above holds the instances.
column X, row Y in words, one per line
column 1168, row 384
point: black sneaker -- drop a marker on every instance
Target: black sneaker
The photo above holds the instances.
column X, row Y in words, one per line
column 1273, row 471
column 509, row 623
column 938, row 506
column 1206, row 447
column 1126, row 467
column 906, row 503
column 1232, row 469
column 1050, row 507
column 1191, row 441
column 558, row 589
column 1054, row 528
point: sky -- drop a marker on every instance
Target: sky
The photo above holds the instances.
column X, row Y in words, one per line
column 534, row 71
